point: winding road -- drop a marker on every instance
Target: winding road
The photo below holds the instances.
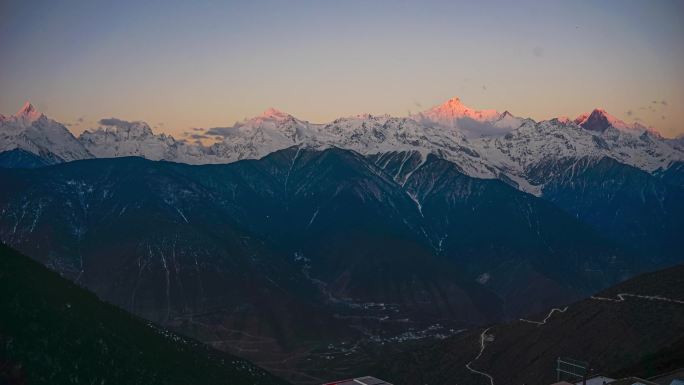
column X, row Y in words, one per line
column 483, row 337
column 554, row 310
column 618, row 298
column 621, row 298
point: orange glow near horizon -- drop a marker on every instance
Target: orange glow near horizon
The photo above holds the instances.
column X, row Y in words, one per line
column 212, row 64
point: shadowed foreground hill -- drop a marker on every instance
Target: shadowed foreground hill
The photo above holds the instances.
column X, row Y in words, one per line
column 53, row 332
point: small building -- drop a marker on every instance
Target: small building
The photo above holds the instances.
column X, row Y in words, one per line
column 367, row 380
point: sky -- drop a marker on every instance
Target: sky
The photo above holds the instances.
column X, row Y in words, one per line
column 187, row 64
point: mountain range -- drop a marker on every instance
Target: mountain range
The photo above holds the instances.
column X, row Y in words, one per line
column 483, row 143
column 292, row 243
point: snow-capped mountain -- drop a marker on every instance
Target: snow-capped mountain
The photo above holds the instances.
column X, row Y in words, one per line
column 30, row 131
column 450, row 112
column 117, row 138
column 254, row 138
column 594, row 135
column 366, row 134
column 599, row 120
column 482, row 143
column 471, row 122
column 259, row 136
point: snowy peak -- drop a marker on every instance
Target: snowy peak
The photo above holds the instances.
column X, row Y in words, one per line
column 508, row 121
column 564, row 119
column 471, row 123
column 28, row 113
column 259, row 136
column 272, row 113
column 453, row 104
column 116, row 137
column 27, row 109
column 271, row 118
column 581, row 118
column 599, row 121
column 31, row 131
column 124, row 129
column 453, row 110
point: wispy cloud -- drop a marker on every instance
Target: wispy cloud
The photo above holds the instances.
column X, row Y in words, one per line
column 222, row 131
column 114, row 122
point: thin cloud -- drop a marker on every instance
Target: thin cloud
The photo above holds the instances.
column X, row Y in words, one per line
column 114, row 122
column 222, row 131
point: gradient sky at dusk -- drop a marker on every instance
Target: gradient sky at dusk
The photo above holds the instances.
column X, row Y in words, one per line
column 188, row 64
